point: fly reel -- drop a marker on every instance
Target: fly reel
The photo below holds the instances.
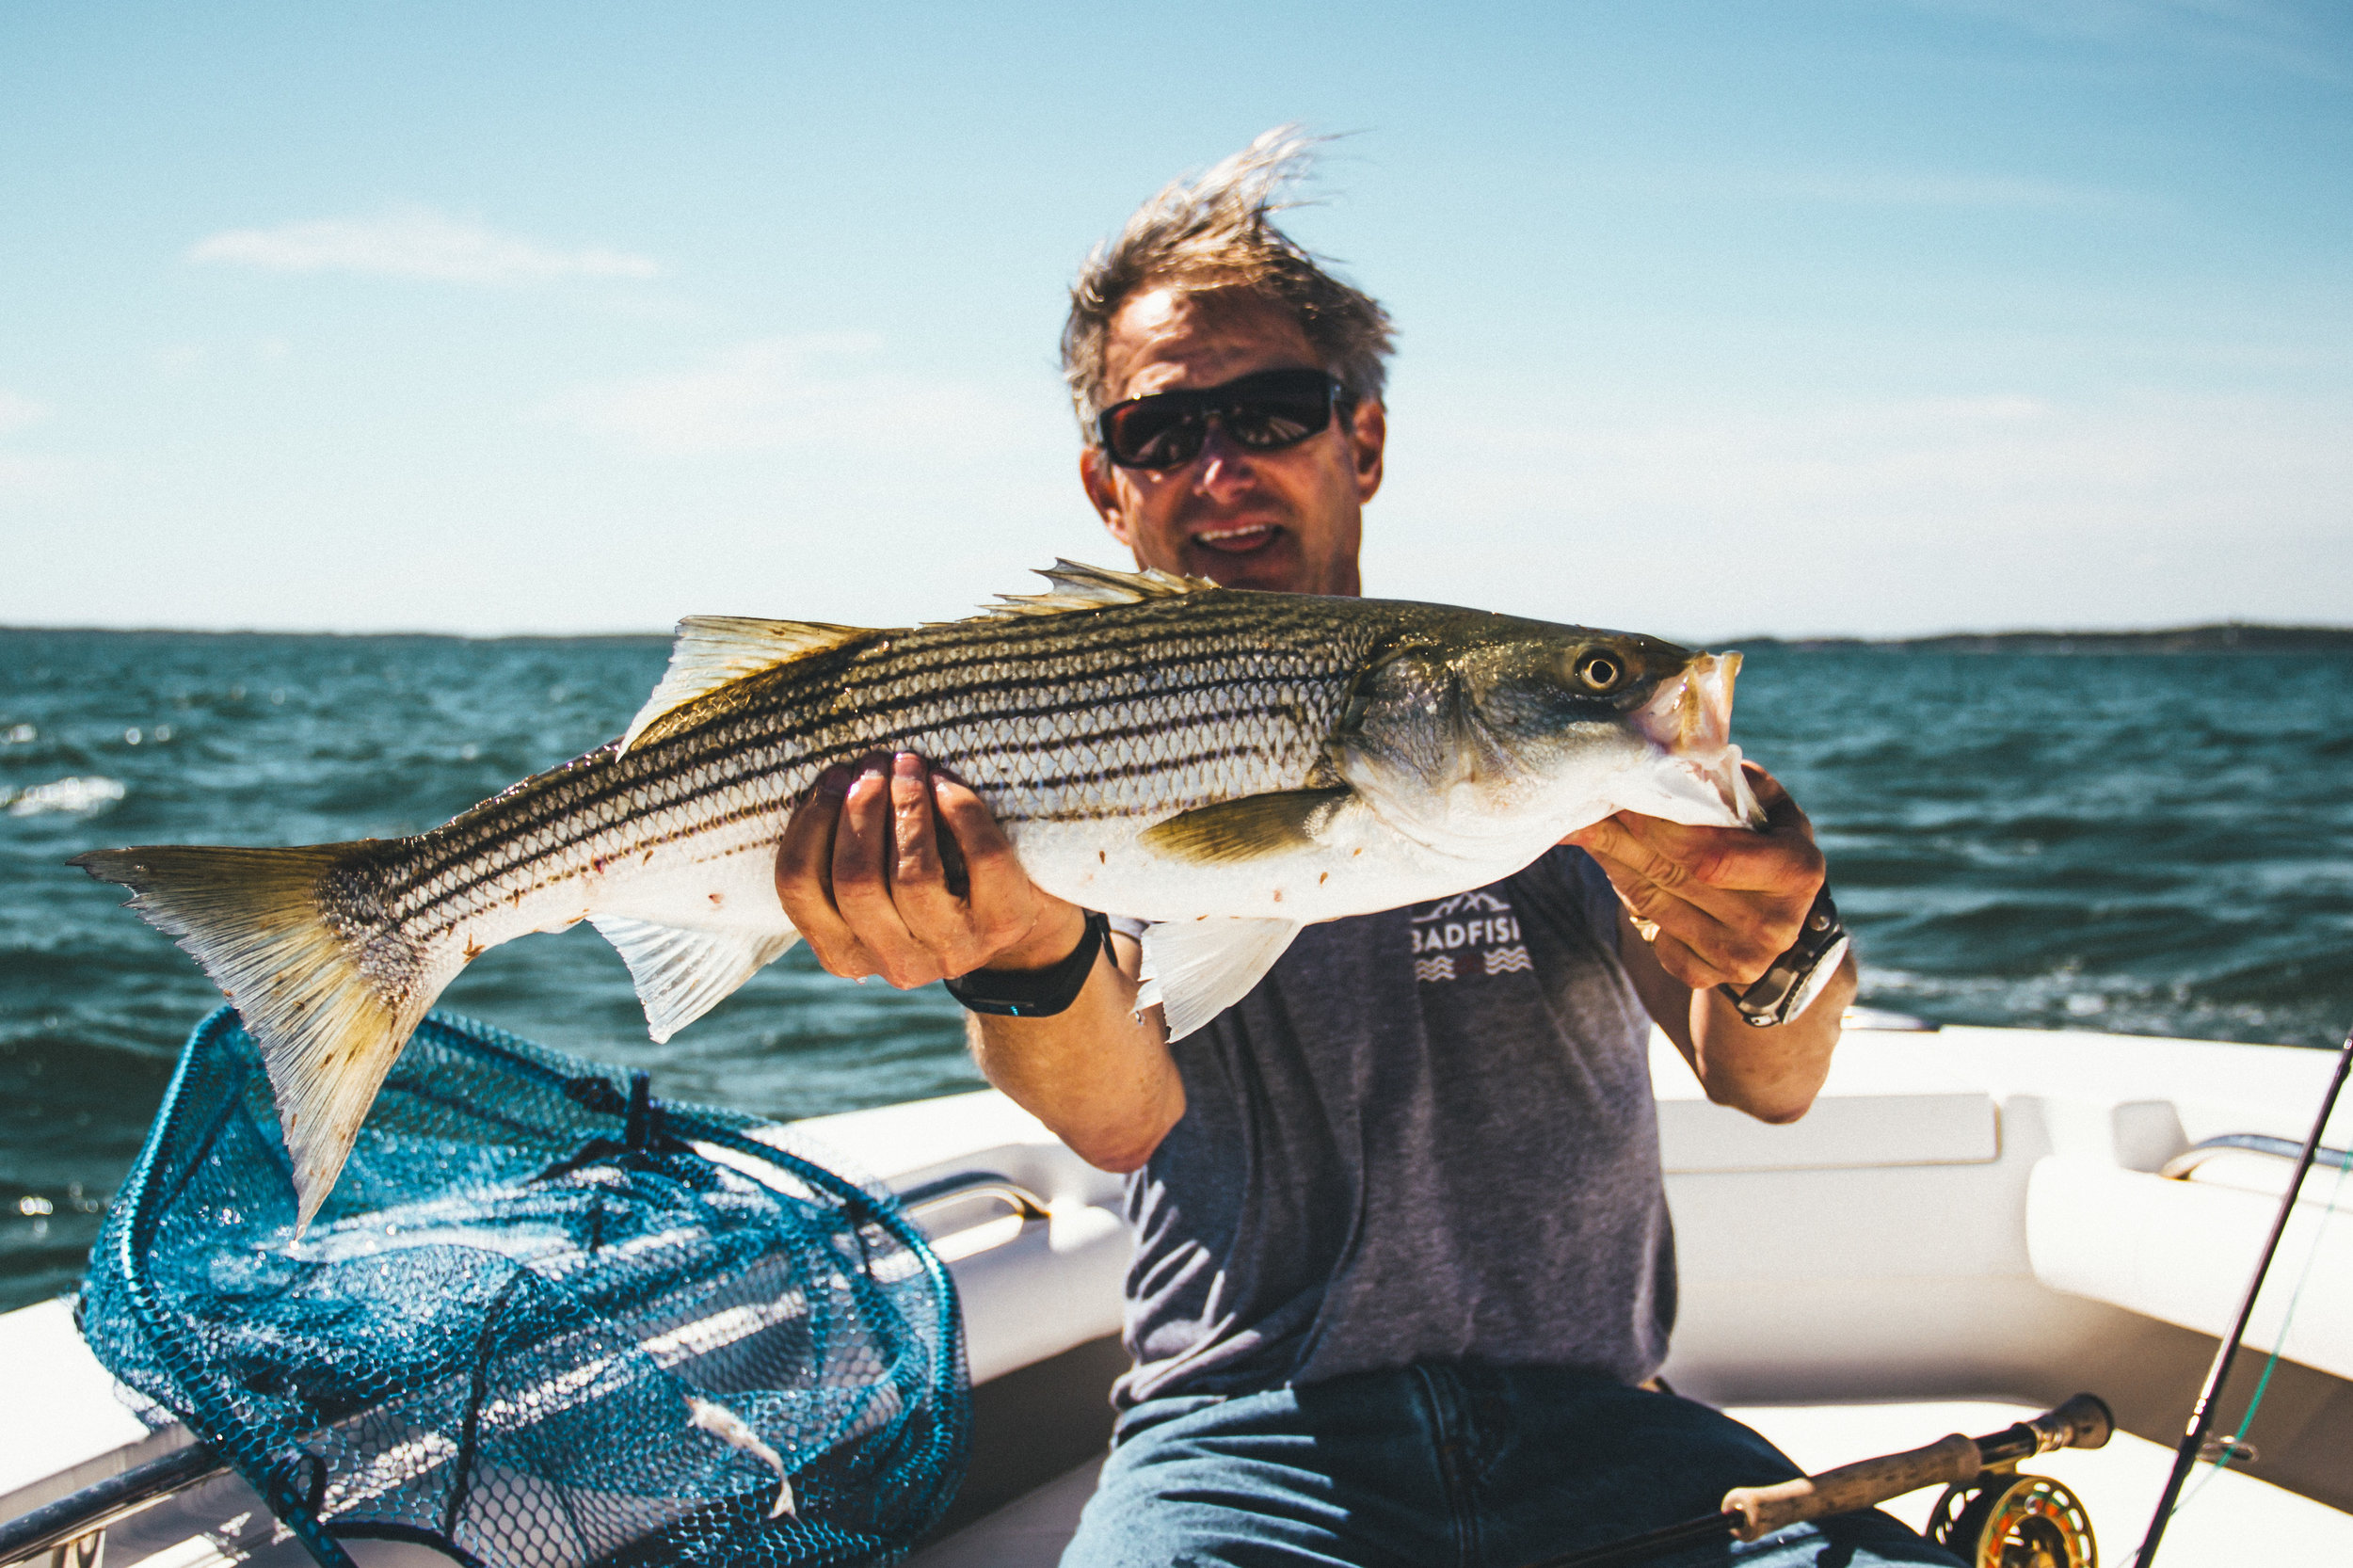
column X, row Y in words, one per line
column 2007, row 1520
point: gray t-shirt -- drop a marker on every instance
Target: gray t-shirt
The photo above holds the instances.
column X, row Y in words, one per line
column 1427, row 1135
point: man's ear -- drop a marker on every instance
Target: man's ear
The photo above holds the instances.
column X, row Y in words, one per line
column 1095, row 478
column 1367, row 438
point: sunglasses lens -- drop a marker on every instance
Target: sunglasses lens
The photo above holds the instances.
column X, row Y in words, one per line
column 1140, row 435
column 1265, row 423
column 1264, row 412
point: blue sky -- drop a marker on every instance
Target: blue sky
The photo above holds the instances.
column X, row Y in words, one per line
column 1793, row 317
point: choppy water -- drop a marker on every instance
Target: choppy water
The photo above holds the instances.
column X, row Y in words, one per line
column 2141, row 843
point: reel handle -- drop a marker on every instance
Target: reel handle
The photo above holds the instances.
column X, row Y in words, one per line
column 1753, row 1511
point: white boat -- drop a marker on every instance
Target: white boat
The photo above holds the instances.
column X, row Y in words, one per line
column 1970, row 1224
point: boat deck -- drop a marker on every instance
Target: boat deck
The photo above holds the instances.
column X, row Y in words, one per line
column 1966, row 1221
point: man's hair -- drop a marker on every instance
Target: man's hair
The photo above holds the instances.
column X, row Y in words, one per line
column 1217, row 231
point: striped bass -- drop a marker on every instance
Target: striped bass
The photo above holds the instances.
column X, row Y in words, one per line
column 1234, row 764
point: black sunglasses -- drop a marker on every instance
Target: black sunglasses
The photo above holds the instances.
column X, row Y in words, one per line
column 1265, row 412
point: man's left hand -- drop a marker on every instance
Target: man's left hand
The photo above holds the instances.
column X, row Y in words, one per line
column 1717, row 904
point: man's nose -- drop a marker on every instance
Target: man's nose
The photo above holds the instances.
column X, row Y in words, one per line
column 1223, row 462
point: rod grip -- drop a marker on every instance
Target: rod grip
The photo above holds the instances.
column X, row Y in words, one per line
column 1766, row 1508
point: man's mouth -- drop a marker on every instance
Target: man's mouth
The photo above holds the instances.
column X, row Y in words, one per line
column 1238, row 540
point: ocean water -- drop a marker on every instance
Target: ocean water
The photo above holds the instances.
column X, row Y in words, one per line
column 2141, row 843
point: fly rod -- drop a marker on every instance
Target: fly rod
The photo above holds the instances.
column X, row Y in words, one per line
column 2202, row 1413
column 1750, row 1513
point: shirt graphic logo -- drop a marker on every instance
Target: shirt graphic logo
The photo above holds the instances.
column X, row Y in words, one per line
column 1479, row 921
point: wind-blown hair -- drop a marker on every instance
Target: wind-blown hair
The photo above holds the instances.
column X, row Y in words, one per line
column 1217, row 231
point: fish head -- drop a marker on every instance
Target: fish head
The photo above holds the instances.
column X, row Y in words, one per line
column 1522, row 729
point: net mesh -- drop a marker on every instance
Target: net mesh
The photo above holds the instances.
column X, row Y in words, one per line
column 543, row 1318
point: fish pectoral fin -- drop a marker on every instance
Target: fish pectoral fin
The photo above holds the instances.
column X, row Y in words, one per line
column 714, row 652
column 1250, row 828
column 1195, row 969
column 683, row 974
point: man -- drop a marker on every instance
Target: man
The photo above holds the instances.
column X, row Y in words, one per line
column 1403, row 1268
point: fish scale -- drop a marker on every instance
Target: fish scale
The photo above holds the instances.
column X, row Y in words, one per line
column 1232, row 765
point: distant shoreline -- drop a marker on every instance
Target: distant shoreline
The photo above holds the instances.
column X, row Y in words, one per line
column 2228, row 638
column 2225, row 637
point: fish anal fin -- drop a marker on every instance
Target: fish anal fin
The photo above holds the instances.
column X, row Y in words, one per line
column 254, row 921
column 1253, row 827
column 683, row 974
column 1079, row 587
column 1195, row 969
column 714, row 652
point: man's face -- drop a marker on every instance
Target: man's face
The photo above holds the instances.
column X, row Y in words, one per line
column 1288, row 520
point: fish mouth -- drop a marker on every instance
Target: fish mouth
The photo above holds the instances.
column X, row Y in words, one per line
column 1689, row 719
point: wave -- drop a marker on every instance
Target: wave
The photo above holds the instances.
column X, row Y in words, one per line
column 73, row 795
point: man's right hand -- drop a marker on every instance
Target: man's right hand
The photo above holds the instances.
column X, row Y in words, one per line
column 862, row 875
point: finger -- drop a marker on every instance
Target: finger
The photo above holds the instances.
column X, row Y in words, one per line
column 1691, row 925
column 1679, row 960
column 1613, row 838
column 1738, row 947
column 1003, row 904
column 804, row 878
column 1780, row 858
column 1772, row 796
column 915, row 857
column 934, row 917
column 861, row 880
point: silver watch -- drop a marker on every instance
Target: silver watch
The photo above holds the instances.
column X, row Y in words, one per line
column 1798, row 976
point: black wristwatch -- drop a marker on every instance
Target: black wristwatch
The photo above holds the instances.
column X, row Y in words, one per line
column 1034, row 993
column 1798, row 976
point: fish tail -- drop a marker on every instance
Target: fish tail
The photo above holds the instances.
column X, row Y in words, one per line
column 257, row 921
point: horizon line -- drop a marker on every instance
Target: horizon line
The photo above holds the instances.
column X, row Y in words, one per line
column 2305, row 628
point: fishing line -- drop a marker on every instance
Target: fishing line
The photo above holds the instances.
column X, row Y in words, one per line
column 2296, row 1297
column 2201, row 1412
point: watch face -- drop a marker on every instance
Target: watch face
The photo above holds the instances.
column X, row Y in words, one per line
column 1810, row 984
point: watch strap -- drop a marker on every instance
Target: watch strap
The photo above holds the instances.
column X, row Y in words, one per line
column 1034, row 993
column 1797, row 977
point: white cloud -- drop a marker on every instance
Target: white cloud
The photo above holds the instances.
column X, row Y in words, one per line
column 413, row 242
column 783, row 393
column 17, row 410
column 2286, row 37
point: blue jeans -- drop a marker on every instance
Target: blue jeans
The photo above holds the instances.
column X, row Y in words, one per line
column 1454, row 1466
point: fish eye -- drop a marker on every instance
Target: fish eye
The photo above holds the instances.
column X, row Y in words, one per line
column 1599, row 672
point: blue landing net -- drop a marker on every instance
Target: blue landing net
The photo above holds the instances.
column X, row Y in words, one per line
column 542, row 1320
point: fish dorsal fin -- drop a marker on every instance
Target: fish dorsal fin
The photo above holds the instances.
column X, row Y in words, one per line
column 715, row 651
column 681, row 974
column 1195, row 969
column 1083, row 587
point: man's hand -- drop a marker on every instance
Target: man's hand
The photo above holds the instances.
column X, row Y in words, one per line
column 1709, row 906
column 864, row 877
column 1717, row 904
column 866, row 873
